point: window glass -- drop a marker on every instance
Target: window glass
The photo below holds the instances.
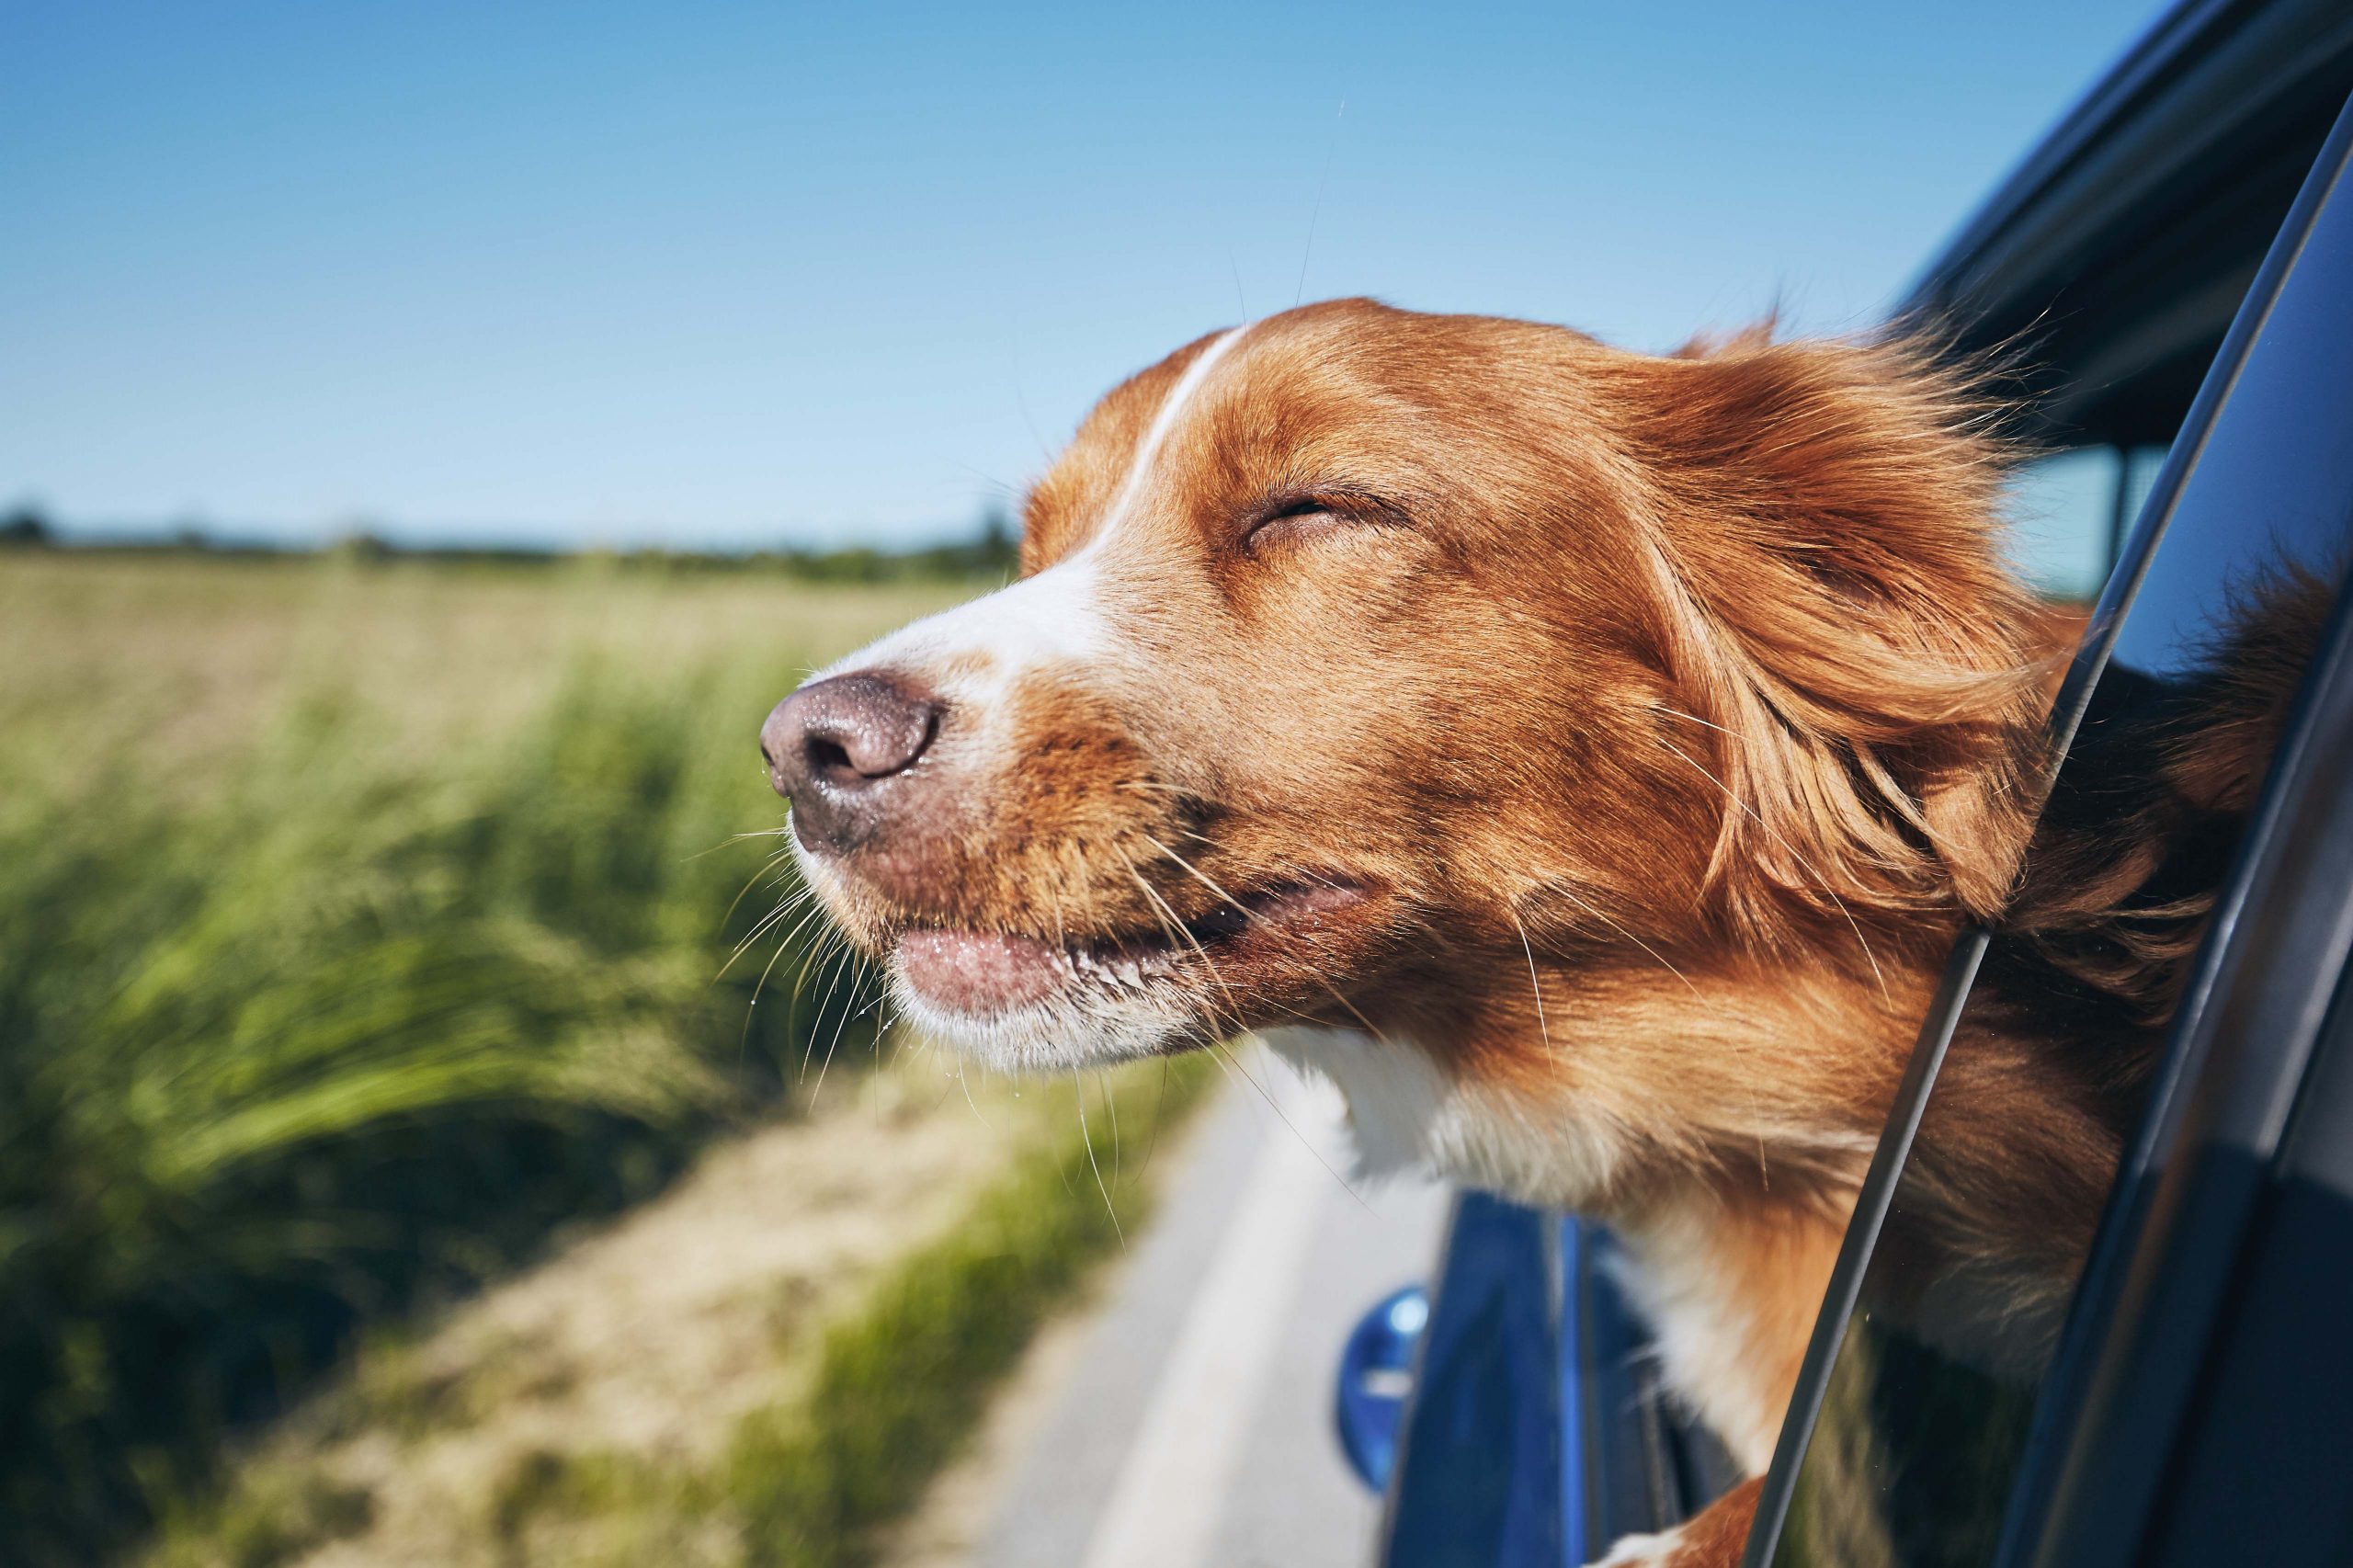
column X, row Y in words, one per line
column 2141, row 466
column 1913, row 1459
column 2062, row 513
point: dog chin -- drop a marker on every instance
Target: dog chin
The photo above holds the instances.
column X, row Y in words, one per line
column 1057, row 1034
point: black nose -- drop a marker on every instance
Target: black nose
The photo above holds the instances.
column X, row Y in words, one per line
column 835, row 748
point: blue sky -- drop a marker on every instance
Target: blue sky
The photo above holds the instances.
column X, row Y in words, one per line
column 741, row 274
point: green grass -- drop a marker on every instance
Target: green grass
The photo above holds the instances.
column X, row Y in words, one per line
column 356, row 927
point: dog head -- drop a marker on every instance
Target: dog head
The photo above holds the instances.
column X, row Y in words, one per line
column 1412, row 676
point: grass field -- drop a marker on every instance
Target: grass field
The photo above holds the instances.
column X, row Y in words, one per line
column 359, row 927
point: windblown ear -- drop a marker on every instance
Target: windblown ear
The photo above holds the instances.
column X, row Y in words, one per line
column 1861, row 667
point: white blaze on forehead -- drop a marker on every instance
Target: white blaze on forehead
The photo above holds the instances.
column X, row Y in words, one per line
column 1171, row 407
column 973, row 652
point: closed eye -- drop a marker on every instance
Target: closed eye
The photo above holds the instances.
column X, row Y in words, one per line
column 1308, row 514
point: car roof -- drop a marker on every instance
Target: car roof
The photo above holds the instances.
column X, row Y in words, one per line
column 2111, row 258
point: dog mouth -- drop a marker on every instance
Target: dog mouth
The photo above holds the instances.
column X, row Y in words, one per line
column 982, row 973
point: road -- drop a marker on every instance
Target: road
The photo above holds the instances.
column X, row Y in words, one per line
column 1191, row 1426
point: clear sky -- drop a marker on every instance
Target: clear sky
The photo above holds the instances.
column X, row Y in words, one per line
column 718, row 273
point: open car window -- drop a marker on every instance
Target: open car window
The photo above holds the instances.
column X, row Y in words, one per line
column 2068, row 511
column 1915, row 1413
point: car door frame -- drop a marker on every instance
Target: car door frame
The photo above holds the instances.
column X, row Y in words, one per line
column 2086, row 1365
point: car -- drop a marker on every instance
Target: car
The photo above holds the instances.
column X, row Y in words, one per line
column 2171, row 272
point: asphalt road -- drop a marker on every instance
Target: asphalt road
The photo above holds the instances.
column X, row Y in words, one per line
column 1193, row 1429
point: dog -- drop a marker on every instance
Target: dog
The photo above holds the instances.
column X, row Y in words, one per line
column 1583, row 758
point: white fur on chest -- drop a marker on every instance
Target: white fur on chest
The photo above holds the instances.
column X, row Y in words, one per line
column 1707, row 1361
column 1410, row 1115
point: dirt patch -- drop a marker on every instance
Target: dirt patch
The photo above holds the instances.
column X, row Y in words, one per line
column 649, row 1340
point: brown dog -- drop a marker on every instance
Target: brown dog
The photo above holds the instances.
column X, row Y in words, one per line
column 1584, row 758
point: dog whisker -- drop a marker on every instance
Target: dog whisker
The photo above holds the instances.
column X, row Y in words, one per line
column 1253, row 915
column 764, row 867
column 1604, row 917
column 964, row 1084
column 734, row 838
column 856, row 971
column 843, row 957
column 1678, row 712
column 1542, row 1028
column 1869, row 957
column 766, row 923
column 1151, row 1137
column 1087, row 1138
column 1199, row 876
column 783, row 946
column 1304, row 1141
column 811, row 914
column 1112, row 1108
column 1176, row 929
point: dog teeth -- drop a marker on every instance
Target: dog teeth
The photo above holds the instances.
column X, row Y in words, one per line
column 1125, row 969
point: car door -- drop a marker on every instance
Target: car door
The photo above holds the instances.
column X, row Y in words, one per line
column 1903, row 1449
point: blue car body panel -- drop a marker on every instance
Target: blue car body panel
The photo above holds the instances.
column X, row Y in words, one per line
column 1491, row 1472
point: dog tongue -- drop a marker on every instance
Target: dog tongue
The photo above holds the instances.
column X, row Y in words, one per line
column 979, row 971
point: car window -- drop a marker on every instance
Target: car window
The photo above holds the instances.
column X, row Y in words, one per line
column 1927, row 1402
column 2066, row 511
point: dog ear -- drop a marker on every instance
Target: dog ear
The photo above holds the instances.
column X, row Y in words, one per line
column 1862, row 669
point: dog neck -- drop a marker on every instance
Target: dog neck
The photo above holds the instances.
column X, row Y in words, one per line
column 1729, row 1223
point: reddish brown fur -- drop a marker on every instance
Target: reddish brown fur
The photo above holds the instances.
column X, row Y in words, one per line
column 1821, row 628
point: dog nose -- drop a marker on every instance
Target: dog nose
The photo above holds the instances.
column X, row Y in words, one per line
column 833, row 745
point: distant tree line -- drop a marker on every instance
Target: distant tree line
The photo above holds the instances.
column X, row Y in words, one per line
column 993, row 550
column 25, row 527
